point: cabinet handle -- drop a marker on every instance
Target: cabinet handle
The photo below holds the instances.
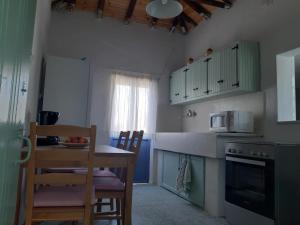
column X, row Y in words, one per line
column 207, row 92
column 195, row 89
column 237, row 84
column 220, row 81
column 176, row 94
column 186, row 96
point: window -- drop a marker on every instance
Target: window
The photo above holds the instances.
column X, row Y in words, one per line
column 134, row 103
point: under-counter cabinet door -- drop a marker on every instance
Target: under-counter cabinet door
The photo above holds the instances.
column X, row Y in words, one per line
column 196, row 194
column 170, row 169
column 213, row 73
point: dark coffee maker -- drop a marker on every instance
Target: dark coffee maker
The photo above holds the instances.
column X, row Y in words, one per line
column 47, row 118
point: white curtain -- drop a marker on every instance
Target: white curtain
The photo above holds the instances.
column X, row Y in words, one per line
column 133, row 103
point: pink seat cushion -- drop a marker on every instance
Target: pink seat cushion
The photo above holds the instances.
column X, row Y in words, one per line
column 61, row 196
column 97, row 172
column 108, row 184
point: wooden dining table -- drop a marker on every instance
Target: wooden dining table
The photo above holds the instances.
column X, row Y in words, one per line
column 105, row 157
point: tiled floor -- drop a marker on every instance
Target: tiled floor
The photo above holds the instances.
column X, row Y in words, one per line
column 153, row 205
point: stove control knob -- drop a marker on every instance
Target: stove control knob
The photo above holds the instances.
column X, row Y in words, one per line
column 229, row 150
column 233, row 151
column 253, row 153
column 264, row 154
column 240, row 151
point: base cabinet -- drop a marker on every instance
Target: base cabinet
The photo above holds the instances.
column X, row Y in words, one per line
column 170, row 167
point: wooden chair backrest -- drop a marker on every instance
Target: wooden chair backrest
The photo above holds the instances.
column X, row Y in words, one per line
column 135, row 142
column 123, row 140
column 50, row 157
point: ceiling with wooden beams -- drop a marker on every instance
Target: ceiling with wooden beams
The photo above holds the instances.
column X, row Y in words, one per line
column 194, row 11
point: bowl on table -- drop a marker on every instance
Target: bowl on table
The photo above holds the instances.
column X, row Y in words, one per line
column 75, row 142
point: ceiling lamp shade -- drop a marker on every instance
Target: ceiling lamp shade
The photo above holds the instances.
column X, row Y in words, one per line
column 164, row 9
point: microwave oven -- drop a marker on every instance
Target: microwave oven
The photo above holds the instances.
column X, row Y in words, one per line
column 232, row 121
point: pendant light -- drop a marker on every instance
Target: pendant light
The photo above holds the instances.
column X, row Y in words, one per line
column 164, row 9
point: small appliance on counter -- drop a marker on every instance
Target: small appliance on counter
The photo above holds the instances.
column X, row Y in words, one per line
column 47, row 118
column 232, row 122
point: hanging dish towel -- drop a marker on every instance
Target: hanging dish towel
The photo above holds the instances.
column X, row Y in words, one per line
column 184, row 178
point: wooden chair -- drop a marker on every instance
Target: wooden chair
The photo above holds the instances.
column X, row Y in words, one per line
column 60, row 196
column 121, row 144
column 114, row 187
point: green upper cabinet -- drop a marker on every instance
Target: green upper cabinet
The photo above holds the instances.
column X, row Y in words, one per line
column 233, row 70
column 213, row 73
column 228, row 62
column 196, row 79
column 177, row 86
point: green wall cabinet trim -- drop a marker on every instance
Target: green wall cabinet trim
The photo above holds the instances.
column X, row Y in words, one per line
column 170, row 166
column 231, row 71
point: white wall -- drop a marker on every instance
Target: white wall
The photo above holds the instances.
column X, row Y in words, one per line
column 276, row 27
column 109, row 44
column 42, row 20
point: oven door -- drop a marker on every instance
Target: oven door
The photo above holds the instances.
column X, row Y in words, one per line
column 250, row 184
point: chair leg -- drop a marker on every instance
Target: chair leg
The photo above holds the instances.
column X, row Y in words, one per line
column 99, row 206
column 111, row 201
column 118, row 207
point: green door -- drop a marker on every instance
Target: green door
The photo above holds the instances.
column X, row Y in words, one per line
column 196, row 194
column 170, row 169
column 228, row 75
column 213, row 73
column 16, row 34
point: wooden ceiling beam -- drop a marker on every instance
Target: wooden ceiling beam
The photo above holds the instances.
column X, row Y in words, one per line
column 153, row 21
column 228, row 3
column 100, row 8
column 189, row 19
column 183, row 26
column 213, row 3
column 198, row 8
column 130, row 10
column 174, row 24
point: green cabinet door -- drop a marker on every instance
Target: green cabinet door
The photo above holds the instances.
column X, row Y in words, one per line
column 196, row 80
column 170, row 168
column 196, row 194
column 177, row 86
column 228, row 76
column 213, row 73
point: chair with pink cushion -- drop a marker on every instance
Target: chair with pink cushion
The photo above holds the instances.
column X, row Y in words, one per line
column 60, row 196
column 114, row 187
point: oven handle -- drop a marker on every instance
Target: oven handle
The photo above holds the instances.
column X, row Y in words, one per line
column 246, row 161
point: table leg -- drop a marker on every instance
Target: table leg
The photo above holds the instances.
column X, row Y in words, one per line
column 128, row 192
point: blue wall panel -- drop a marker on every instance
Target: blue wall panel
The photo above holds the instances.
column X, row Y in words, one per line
column 143, row 162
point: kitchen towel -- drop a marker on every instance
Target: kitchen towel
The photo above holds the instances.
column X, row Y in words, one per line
column 184, row 178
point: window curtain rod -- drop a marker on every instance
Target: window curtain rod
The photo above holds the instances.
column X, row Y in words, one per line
column 135, row 74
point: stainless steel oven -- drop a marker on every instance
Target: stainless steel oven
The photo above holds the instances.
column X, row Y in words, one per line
column 249, row 194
